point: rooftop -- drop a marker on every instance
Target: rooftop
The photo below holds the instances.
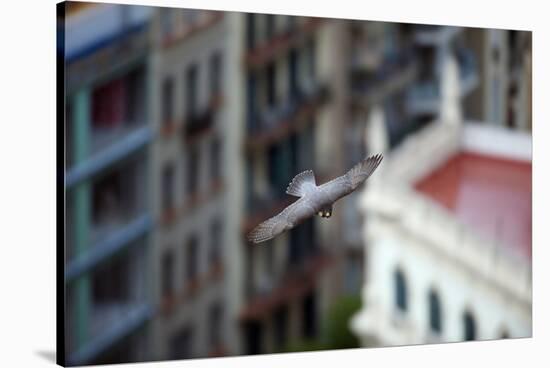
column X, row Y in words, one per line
column 489, row 193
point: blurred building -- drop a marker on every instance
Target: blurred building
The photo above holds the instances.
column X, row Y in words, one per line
column 504, row 65
column 191, row 166
column 108, row 218
column 293, row 86
column 448, row 235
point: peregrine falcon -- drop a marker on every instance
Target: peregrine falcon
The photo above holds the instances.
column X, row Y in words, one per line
column 313, row 199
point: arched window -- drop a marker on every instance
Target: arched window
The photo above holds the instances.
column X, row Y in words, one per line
column 469, row 326
column 435, row 312
column 400, row 291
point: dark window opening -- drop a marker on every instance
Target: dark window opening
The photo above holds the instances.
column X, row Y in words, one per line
column 400, row 291
column 167, row 274
column 167, row 187
column 216, row 324
column 216, row 241
column 192, row 170
column 251, row 103
column 253, row 338
column 309, row 316
column 435, row 312
column 271, row 85
column 215, row 74
column 293, row 74
column 192, row 258
column 469, row 326
column 191, row 92
column 250, row 30
column 167, row 101
column 269, row 26
column 181, row 344
column 215, row 159
column 280, row 327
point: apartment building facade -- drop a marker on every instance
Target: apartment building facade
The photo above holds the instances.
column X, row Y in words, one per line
column 108, row 218
column 191, row 170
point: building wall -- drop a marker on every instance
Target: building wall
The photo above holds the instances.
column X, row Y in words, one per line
column 193, row 214
column 459, row 288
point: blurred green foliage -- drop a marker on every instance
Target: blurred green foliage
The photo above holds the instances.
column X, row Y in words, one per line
column 336, row 333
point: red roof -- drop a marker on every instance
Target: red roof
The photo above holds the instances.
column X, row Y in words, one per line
column 492, row 195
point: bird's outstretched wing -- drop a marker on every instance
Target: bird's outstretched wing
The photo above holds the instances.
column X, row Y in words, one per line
column 347, row 183
column 285, row 220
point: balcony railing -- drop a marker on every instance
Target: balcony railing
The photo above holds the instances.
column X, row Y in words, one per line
column 280, row 288
column 267, row 50
column 110, row 324
column 113, row 243
column 128, row 143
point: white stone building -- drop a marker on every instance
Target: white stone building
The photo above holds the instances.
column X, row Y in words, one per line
column 448, row 237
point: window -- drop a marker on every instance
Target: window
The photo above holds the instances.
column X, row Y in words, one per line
column 167, row 272
column 108, row 103
column 192, row 170
column 279, row 158
column 280, row 326
column 311, row 59
column 269, row 26
column 215, row 158
column 251, row 102
column 167, row 187
column 167, row 100
column 191, row 93
column 215, row 73
column 250, row 30
column 435, row 312
column 309, row 316
column 271, row 85
column 181, row 345
column 192, row 258
column 135, row 97
column 215, row 241
column 293, row 73
column 400, row 291
column 469, row 326
column 215, row 319
column 253, row 338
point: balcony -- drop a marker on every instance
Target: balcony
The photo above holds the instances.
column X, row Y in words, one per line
column 267, row 50
column 111, row 323
column 273, row 124
column 295, row 282
column 127, row 142
column 105, row 38
column 120, row 238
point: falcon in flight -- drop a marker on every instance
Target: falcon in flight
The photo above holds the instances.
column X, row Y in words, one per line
column 314, row 200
